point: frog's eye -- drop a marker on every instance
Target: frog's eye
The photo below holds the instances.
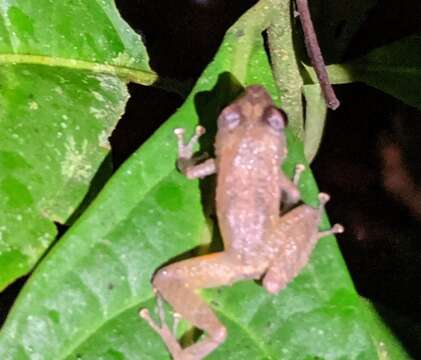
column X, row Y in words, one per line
column 229, row 118
column 276, row 118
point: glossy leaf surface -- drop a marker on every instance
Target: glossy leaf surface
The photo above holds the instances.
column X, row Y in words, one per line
column 57, row 109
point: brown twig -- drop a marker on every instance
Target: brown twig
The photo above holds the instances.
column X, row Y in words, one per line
column 315, row 55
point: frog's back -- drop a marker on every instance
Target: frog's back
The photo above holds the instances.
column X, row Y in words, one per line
column 250, row 146
column 247, row 194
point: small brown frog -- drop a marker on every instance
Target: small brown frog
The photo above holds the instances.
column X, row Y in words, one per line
column 259, row 243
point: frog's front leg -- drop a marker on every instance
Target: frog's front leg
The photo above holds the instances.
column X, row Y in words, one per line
column 186, row 163
column 295, row 237
column 178, row 284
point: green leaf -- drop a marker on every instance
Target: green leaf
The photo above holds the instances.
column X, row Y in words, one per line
column 59, row 101
column 394, row 69
column 316, row 111
column 78, row 34
column 284, row 61
column 83, row 299
column 387, row 345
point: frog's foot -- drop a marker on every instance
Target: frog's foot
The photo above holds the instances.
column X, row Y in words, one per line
column 299, row 169
column 337, row 228
column 185, row 150
column 323, row 199
column 168, row 336
column 188, row 164
column 162, row 329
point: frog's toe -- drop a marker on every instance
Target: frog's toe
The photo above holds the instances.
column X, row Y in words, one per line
column 164, row 332
column 179, row 132
column 323, row 198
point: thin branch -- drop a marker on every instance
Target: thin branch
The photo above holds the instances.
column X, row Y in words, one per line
column 315, row 55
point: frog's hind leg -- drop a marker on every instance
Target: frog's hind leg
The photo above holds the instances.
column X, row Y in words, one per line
column 296, row 236
column 177, row 283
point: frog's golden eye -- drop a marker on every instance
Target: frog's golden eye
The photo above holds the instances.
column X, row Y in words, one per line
column 229, row 118
column 276, row 118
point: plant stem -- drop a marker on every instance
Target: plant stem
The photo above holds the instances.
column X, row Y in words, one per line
column 315, row 55
column 285, row 65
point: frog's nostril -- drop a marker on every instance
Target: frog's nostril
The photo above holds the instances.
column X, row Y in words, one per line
column 257, row 91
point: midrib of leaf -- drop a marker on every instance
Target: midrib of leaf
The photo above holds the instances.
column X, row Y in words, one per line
column 349, row 72
column 124, row 72
column 394, row 68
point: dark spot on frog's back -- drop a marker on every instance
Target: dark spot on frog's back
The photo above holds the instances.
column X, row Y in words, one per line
column 169, row 196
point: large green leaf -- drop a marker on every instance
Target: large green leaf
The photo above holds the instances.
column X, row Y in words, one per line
column 83, row 299
column 316, row 111
column 394, row 69
column 59, row 102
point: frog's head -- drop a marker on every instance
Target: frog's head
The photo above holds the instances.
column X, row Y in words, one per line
column 252, row 117
column 253, row 109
